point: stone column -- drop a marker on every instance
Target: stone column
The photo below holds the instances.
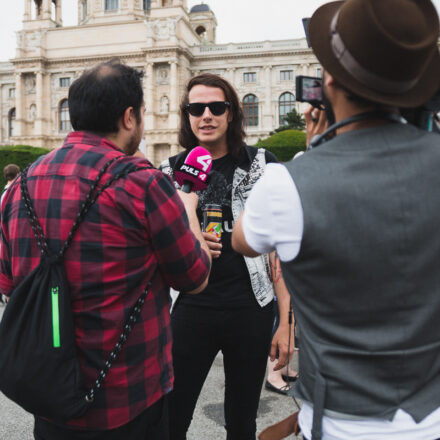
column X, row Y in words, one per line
column 173, row 119
column 150, row 152
column 174, row 149
column 46, row 110
column 231, row 75
column 39, row 120
column 267, row 108
column 27, row 10
column 149, row 97
column 19, row 111
column 59, row 13
column 47, row 9
column 305, row 69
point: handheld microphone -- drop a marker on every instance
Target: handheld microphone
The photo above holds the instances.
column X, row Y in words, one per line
column 193, row 174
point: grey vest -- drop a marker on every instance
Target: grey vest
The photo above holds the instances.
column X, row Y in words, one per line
column 366, row 282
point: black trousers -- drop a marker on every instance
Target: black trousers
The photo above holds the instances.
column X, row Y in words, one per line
column 243, row 336
column 152, row 424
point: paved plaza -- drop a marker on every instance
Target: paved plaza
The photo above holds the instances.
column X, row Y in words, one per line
column 16, row 424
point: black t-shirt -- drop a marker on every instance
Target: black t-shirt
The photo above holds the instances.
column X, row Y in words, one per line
column 229, row 284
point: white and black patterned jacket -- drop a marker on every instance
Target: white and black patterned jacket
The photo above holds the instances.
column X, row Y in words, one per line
column 249, row 169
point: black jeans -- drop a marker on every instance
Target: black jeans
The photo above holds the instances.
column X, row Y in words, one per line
column 243, row 336
column 152, row 424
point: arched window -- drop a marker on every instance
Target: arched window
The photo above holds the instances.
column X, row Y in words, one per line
column 250, row 107
column 11, row 120
column 64, row 116
column 111, row 5
column 286, row 104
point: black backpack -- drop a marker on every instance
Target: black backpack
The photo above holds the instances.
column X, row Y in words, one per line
column 39, row 369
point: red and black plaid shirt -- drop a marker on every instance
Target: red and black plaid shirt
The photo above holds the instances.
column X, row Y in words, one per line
column 137, row 230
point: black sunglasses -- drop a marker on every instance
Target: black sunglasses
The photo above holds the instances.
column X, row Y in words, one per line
column 217, row 108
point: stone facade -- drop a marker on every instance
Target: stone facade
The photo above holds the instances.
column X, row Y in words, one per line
column 161, row 37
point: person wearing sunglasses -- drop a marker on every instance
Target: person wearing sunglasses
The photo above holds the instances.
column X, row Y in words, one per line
column 234, row 314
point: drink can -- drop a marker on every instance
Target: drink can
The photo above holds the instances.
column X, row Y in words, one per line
column 212, row 220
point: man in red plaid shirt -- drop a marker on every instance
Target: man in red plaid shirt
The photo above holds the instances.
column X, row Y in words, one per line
column 140, row 229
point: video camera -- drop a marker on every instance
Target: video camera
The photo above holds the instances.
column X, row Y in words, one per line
column 309, row 89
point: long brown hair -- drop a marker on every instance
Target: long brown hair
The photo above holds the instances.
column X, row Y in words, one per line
column 235, row 133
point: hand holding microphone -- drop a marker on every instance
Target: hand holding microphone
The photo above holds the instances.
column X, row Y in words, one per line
column 193, row 176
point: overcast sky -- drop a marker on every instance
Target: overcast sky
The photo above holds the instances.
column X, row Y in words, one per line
column 238, row 20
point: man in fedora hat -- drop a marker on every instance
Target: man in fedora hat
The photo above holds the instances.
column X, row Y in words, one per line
column 355, row 223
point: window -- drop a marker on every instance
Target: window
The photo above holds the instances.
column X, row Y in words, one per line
column 319, row 72
column 64, row 116
column 250, row 107
column 286, row 75
column 286, row 105
column 64, row 82
column 12, row 93
column 11, row 122
column 250, row 77
column 111, row 5
column 147, row 5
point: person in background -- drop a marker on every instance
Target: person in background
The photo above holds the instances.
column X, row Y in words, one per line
column 10, row 172
column 277, row 380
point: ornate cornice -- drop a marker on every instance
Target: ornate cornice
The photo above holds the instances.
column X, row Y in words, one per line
column 231, row 55
column 140, row 57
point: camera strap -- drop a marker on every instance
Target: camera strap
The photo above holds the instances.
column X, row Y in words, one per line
column 388, row 116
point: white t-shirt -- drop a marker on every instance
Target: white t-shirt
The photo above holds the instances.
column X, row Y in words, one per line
column 273, row 220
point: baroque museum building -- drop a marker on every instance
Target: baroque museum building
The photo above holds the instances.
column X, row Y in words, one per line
column 161, row 37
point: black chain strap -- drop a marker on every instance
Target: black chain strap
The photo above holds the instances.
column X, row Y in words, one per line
column 44, row 250
column 134, row 315
column 35, row 224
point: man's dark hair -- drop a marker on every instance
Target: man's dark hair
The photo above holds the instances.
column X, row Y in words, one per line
column 235, row 132
column 100, row 96
column 11, row 171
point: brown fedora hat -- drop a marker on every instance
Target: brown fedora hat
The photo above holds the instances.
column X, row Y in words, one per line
column 382, row 50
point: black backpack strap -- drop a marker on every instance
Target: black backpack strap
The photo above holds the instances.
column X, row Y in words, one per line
column 129, row 323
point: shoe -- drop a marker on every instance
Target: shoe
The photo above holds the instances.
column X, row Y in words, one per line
column 289, row 378
column 283, row 390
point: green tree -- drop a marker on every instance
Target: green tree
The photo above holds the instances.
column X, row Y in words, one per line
column 293, row 121
column 21, row 155
column 285, row 144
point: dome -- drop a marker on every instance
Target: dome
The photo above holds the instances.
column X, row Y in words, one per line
column 200, row 8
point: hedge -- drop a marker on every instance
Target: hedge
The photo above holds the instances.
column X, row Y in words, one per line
column 21, row 155
column 284, row 144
